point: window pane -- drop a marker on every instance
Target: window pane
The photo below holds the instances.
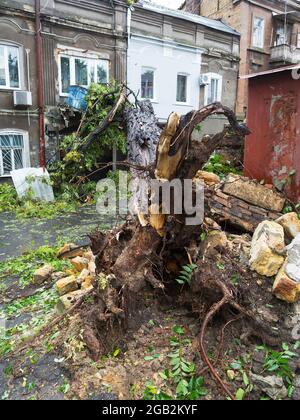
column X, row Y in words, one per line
column 102, row 72
column 92, row 71
column 147, row 84
column 13, row 67
column 181, row 88
column 11, row 152
column 5, row 141
column 65, row 74
column 2, row 67
column 81, row 72
column 7, row 161
column 258, row 32
column 18, row 158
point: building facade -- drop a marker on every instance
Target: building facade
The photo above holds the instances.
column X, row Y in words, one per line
column 82, row 41
column 270, row 34
column 181, row 61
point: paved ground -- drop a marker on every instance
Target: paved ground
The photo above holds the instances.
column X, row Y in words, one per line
column 19, row 236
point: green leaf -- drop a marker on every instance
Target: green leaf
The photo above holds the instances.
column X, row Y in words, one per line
column 178, row 330
column 182, row 387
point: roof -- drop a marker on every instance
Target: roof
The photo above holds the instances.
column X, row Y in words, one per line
column 217, row 25
column 272, row 71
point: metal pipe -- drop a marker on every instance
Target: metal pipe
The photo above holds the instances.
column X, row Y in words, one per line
column 38, row 38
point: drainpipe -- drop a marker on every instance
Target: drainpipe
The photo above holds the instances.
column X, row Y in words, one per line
column 38, row 45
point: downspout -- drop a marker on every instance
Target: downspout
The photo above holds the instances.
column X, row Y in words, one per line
column 41, row 107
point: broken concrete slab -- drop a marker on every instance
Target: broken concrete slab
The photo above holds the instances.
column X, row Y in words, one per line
column 43, row 274
column 254, row 193
column 67, row 285
column 267, row 249
column 285, row 288
column 291, row 224
column 293, row 262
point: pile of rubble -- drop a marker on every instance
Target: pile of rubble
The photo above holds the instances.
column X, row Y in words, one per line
column 250, row 207
column 255, row 208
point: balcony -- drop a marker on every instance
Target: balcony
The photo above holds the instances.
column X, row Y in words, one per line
column 285, row 54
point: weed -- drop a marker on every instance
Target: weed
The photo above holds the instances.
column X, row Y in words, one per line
column 181, row 374
column 219, row 166
column 278, row 362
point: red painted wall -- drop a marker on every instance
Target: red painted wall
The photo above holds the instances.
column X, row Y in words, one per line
column 272, row 151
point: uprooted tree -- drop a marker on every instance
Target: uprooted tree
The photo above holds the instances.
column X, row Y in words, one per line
column 148, row 251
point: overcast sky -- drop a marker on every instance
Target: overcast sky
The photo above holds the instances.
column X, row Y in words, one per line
column 174, row 4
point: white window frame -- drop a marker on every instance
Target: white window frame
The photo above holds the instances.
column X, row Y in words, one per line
column 187, row 88
column 143, row 69
column 91, row 60
column 7, row 85
column 258, row 43
column 213, row 76
column 25, row 153
column 298, row 40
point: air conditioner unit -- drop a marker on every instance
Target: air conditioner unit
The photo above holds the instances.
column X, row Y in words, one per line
column 22, row 98
column 205, row 80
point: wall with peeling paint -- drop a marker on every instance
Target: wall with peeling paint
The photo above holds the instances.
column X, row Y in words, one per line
column 272, row 151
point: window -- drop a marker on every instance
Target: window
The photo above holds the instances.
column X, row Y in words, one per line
column 12, row 152
column 213, row 88
column 147, row 83
column 181, row 88
column 82, row 71
column 258, row 32
column 298, row 40
column 9, row 67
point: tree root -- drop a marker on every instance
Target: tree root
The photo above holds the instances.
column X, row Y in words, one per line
column 227, row 299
